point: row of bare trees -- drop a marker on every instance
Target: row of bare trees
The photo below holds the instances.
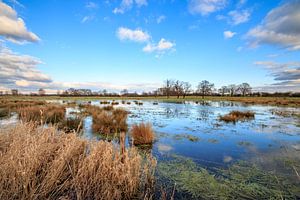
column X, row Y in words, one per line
column 204, row 88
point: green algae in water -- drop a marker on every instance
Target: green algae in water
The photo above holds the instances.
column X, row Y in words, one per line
column 241, row 180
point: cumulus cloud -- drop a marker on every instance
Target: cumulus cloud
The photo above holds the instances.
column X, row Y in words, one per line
column 280, row 27
column 12, row 27
column 286, row 75
column 162, row 46
column 141, row 36
column 228, row 34
column 128, row 4
column 20, row 70
column 206, row 7
column 136, row 35
column 239, row 17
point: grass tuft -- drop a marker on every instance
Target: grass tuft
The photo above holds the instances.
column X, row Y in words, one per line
column 142, row 134
column 235, row 116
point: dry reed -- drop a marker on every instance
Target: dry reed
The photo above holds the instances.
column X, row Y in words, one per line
column 142, row 134
column 42, row 163
column 42, row 114
column 235, row 116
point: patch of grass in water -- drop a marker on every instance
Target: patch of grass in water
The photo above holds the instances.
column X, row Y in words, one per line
column 241, row 180
column 213, row 141
column 189, row 137
column 244, row 143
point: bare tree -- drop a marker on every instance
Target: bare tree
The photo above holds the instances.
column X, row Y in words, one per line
column 245, row 88
column 186, row 86
column 232, row 89
column 205, row 88
column 168, row 87
column 178, row 88
column 42, row 92
column 223, row 90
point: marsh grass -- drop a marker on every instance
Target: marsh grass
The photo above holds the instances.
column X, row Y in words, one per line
column 42, row 114
column 108, row 120
column 42, row 163
column 142, row 134
column 4, row 112
column 71, row 124
column 235, row 116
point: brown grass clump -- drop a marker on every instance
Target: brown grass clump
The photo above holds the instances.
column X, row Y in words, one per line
column 114, row 103
column 71, row 124
column 42, row 114
column 4, row 112
column 110, row 121
column 104, row 102
column 235, row 116
column 42, row 163
column 142, row 134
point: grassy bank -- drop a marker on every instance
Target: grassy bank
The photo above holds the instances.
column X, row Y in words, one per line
column 274, row 101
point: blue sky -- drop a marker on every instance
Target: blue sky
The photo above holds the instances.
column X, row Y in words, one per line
column 137, row 44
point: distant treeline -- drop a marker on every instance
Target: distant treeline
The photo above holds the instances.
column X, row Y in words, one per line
column 174, row 88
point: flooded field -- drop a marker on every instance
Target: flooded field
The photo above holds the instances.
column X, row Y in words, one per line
column 199, row 156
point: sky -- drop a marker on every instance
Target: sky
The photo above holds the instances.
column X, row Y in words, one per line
column 137, row 44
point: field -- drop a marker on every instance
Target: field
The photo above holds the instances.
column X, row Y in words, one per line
column 149, row 148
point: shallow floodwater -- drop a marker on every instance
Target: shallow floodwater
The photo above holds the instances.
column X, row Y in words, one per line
column 194, row 131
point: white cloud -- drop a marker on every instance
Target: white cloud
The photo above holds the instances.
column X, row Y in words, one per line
column 228, row 34
column 162, row 46
column 136, row 35
column 128, row 4
column 91, row 5
column 87, row 18
column 20, row 70
column 286, row 75
column 12, row 27
column 280, row 27
column 141, row 3
column 206, row 7
column 239, row 17
column 160, row 19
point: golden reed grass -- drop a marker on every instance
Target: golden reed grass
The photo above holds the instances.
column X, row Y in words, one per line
column 42, row 114
column 235, row 116
column 107, row 119
column 142, row 133
column 43, row 163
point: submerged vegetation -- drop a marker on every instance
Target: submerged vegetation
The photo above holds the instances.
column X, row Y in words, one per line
column 142, row 134
column 241, row 180
column 42, row 163
column 235, row 116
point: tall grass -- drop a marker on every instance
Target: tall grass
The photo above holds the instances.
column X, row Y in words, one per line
column 71, row 124
column 42, row 163
column 142, row 134
column 42, row 114
column 235, row 116
column 4, row 112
